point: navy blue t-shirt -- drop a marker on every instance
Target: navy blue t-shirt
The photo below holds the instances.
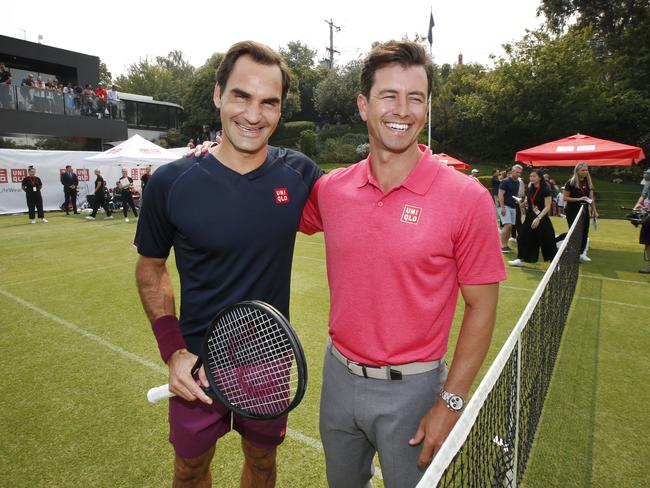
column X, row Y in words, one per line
column 233, row 235
column 511, row 189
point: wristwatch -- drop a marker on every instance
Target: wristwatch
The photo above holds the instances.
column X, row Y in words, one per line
column 454, row 402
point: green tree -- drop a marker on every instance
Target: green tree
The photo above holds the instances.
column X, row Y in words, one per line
column 166, row 79
column 336, row 94
column 301, row 60
column 105, row 76
column 198, row 100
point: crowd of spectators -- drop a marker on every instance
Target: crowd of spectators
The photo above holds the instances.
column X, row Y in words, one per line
column 95, row 102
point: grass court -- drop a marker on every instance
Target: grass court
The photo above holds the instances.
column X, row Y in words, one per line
column 78, row 356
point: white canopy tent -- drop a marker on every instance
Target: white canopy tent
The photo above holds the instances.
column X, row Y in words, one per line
column 136, row 150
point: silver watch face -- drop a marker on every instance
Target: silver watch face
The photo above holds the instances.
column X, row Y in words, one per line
column 455, row 403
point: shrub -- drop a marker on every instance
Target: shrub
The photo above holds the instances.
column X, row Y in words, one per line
column 363, row 150
column 308, row 142
column 334, row 131
column 354, row 139
column 335, row 151
column 287, row 134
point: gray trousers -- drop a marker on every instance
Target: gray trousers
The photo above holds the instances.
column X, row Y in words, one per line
column 362, row 416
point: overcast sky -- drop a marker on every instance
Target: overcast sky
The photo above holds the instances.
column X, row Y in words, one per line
column 121, row 32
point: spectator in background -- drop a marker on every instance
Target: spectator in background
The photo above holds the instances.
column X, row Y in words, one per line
column 99, row 199
column 89, row 103
column 555, row 191
column 579, row 191
column 474, row 174
column 113, row 101
column 102, row 99
column 39, row 82
column 537, row 230
column 495, row 186
column 521, row 197
column 101, row 92
column 125, row 183
column 32, row 185
column 5, row 75
column 144, row 179
column 190, row 144
column 29, row 81
column 644, row 234
column 560, row 203
column 508, row 190
column 70, row 181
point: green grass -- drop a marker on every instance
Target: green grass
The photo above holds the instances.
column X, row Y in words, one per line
column 74, row 412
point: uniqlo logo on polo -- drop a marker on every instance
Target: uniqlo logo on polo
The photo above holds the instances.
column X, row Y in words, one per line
column 281, row 196
column 3, row 176
column 411, row 215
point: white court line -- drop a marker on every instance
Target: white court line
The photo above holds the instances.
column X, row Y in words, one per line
column 596, row 277
column 134, row 357
column 609, row 302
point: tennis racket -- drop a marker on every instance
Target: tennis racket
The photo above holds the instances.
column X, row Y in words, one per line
column 253, row 361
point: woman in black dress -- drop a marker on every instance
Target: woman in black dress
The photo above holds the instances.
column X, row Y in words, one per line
column 537, row 230
column 579, row 191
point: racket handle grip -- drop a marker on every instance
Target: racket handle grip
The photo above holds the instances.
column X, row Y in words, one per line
column 154, row 395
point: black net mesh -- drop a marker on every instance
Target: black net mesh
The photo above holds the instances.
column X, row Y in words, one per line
column 487, row 457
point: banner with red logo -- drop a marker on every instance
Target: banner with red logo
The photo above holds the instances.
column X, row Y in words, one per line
column 49, row 165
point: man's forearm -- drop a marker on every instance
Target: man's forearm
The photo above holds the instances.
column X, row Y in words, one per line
column 155, row 288
column 473, row 341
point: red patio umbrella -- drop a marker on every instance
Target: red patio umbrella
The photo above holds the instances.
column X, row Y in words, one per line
column 580, row 147
column 449, row 161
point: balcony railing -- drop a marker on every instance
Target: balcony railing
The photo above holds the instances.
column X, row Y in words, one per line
column 29, row 99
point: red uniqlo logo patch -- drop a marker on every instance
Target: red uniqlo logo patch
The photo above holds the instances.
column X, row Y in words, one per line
column 3, row 176
column 411, row 215
column 281, row 196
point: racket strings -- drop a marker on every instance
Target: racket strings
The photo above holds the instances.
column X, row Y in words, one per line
column 251, row 361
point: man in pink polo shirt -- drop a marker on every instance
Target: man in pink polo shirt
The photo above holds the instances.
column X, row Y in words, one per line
column 403, row 234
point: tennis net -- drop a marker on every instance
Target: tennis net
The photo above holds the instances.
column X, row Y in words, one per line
column 490, row 444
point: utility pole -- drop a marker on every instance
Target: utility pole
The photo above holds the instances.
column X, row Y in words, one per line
column 331, row 49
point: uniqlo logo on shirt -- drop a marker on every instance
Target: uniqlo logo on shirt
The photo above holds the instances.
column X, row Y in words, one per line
column 3, row 176
column 281, row 196
column 411, row 215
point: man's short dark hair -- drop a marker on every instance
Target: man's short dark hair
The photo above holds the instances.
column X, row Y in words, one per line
column 404, row 53
column 260, row 54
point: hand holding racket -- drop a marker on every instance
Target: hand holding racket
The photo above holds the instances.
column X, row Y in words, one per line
column 253, row 361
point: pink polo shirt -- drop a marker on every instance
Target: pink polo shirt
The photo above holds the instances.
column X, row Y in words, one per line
column 395, row 260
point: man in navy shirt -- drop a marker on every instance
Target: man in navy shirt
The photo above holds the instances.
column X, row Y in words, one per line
column 231, row 218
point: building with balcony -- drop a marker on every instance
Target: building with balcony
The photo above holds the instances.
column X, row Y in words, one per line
column 36, row 118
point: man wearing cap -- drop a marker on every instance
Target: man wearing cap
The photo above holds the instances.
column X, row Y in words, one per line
column 474, row 174
column 29, row 81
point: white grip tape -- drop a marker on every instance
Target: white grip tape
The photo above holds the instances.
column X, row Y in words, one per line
column 159, row 393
